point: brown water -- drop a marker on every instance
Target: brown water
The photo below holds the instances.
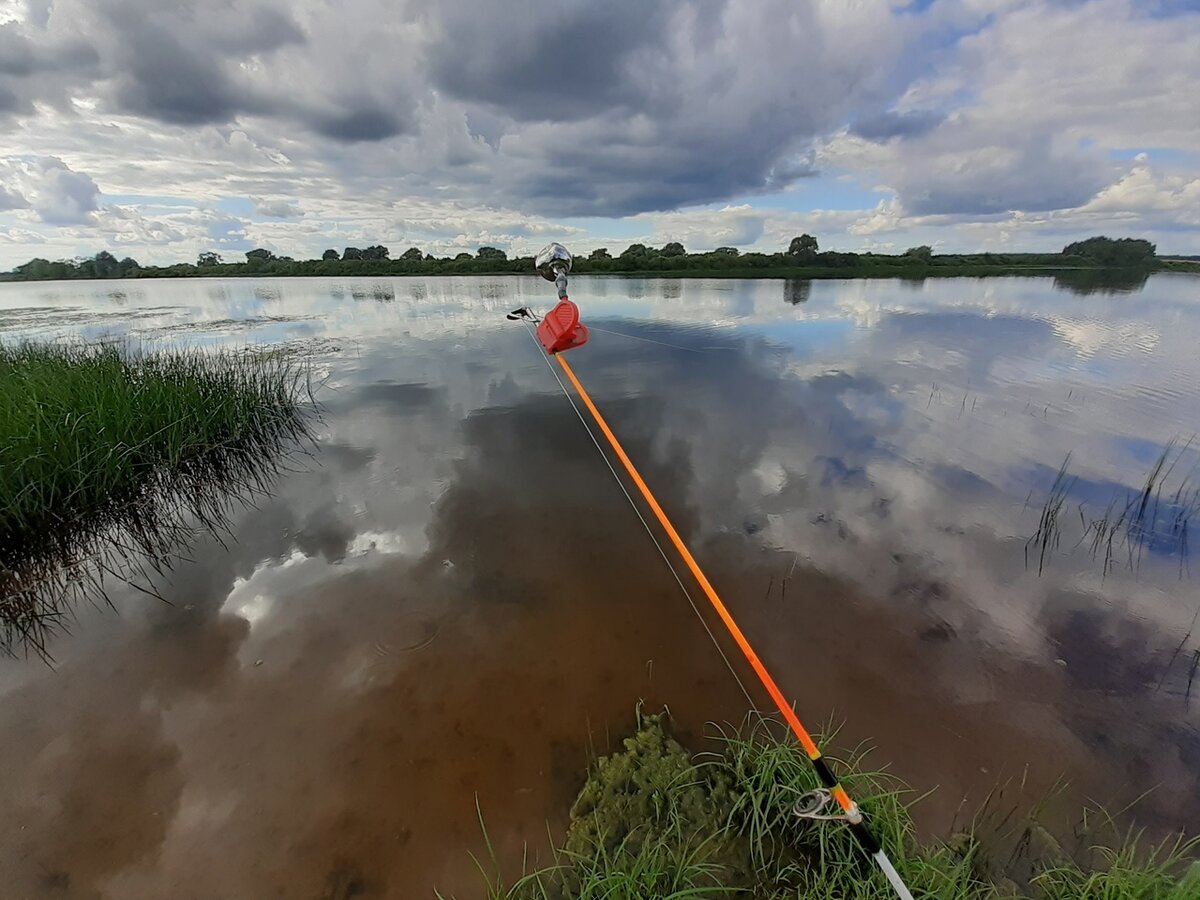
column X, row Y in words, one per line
column 452, row 604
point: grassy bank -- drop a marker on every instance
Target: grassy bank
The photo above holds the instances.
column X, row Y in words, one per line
column 109, row 455
column 655, row 820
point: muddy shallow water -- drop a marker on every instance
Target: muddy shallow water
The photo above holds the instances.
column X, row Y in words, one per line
column 450, row 602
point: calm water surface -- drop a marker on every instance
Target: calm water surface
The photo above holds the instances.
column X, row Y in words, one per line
column 451, row 600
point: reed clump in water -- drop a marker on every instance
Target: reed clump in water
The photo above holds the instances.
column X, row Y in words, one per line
column 655, row 821
column 111, row 455
column 1155, row 518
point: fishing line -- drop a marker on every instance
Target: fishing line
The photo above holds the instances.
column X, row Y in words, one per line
column 642, row 519
column 634, row 337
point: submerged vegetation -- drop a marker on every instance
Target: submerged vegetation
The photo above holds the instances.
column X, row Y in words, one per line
column 803, row 258
column 111, row 456
column 1134, row 524
column 1154, row 518
column 654, row 820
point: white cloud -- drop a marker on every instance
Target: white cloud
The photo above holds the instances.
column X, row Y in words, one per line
column 1035, row 100
column 732, row 226
column 58, row 194
column 278, row 208
column 1145, row 193
column 10, row 198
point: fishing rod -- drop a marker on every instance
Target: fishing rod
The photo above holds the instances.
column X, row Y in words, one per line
column 560, row 330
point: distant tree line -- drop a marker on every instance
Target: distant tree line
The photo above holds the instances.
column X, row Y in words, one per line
column 803, row 258
column 1109, row 252
column 102, row 265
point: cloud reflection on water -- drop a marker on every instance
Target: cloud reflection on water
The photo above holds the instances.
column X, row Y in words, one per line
column 448, row 598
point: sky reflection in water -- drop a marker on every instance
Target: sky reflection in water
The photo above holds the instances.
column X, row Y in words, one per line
column 452, row 599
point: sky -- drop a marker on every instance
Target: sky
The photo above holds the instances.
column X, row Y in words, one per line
column 159, row 130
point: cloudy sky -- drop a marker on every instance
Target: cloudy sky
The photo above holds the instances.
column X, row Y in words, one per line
column 160, row 129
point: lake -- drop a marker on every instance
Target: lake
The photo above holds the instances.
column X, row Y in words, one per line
column 926, row 503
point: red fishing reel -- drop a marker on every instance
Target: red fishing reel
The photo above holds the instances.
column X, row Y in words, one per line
column 561, row 329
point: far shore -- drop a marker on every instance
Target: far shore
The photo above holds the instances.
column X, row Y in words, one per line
column 935, row 269
column 1098, row 261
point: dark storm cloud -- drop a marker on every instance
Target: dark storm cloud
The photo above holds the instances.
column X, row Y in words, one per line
column 1035, row 187
column 40, row 70
column 169, row 69
column 634, row 107
column 369, row 123
column 21, row 57
column 558, row 61
column 191, row 67
column 179, row 87
column 888, row 125
column 185, row 75
column 581, row 109
column 16, row 54
column 598, row 179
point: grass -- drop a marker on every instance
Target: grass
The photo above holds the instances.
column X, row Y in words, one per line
column 1156, row 517
column 111, row 455
column 1048, row 532
column 653, row 820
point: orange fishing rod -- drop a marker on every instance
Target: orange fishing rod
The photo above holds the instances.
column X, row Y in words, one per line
column 560, row 330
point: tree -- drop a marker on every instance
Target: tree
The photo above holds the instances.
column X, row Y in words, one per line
column 105, row 265
column 330, row 254
column 804, row 246
column 673, row 249
column 634, row 251
column 376, row 252
column 600, row 253
column 129, row 264
column 352, row 253
column 924, row 253
column 1109, row 252
column 39, row 268
column 463, row 257
column 413, row 254
column 491, row 253
column 728, row 251
column 208, row 258
column 259, row 255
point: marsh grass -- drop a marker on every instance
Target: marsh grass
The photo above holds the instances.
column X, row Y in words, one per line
column 112, row 456
column 1126, row 867
column 653, row 821
column 1049, row 529
column 1155, row 517
column 1147, row 519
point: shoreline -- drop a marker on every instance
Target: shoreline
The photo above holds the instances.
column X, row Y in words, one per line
column 388, row 269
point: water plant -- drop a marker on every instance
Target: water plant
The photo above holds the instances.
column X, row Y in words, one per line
column 112, row 455
column 653, row 820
